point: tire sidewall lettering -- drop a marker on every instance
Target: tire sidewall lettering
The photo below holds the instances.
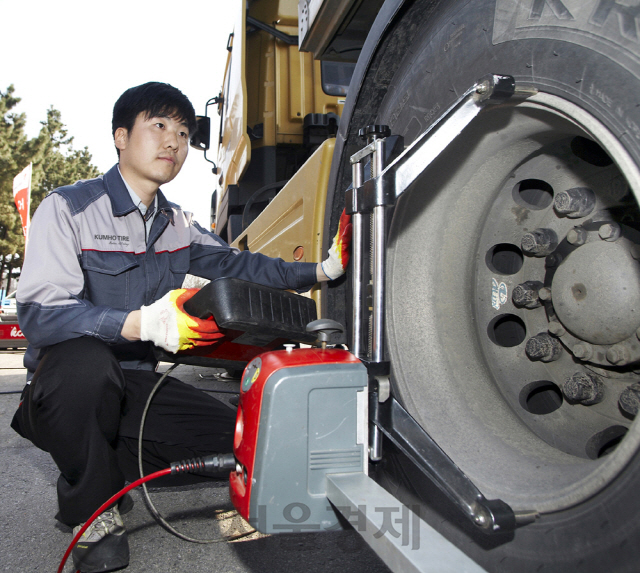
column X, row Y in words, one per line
column 603, row 25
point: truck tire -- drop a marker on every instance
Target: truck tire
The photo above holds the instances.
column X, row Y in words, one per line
column 488, row 378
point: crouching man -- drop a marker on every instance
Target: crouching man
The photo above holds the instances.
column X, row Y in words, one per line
column 99, row 287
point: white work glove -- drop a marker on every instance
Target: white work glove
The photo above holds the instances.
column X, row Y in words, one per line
column 167, row 325
column 336, row 265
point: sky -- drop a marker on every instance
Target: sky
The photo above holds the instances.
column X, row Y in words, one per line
column 79, row 56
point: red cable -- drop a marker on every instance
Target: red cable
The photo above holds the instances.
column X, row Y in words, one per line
column 106, row 505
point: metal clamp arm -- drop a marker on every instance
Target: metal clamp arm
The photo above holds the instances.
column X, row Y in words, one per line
column 398, row 176
column 492, row 516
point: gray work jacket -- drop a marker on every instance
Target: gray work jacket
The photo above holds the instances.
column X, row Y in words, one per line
column 87, row 266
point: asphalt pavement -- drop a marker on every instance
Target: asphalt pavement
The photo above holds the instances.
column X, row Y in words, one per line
column 33, row 541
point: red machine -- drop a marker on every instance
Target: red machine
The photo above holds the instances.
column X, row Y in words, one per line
column 301, row 415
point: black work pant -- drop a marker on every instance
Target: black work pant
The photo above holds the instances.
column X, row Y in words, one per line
column 85, row 410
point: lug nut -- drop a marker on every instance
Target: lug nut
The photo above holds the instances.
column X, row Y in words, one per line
column 584, row 388
column 609, row 232
column 544, row 294
column 543, row 347
column 556, row 328
column 629, row 400
column 539, row 243
column 525, row 295
column 577, row 236
column 582, row 350
column 574, row 203
column 618, row 354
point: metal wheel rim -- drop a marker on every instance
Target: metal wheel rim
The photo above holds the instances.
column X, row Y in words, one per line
column 438, row 298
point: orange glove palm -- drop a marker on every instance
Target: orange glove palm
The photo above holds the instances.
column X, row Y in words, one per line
column 166, row 324
column 336, row 265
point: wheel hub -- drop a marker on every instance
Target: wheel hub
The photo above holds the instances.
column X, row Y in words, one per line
column 596, row 292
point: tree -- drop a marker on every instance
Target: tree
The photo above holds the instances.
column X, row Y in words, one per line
column 55, row 163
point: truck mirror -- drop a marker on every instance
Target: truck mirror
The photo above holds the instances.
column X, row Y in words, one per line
column 202, row 136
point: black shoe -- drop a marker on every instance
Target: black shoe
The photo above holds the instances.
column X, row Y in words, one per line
column 103, row 546
column 125, row 504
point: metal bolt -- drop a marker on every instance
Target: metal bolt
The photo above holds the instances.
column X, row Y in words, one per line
column 577, row 236
column 556, row 328
column 576, row 202
column 584, row 388
column 526, row 294
column 480, row 519
column 618, row 354
column 540, row 242
column 483, row 87
column 582, row 350
column 629, row 400
column 609, row 231
column 543, row 347
column 544, row 294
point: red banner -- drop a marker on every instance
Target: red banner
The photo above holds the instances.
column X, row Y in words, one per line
column 22, row 196
column 10, row 331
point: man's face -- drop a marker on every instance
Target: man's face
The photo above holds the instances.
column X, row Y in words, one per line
column 153, row 152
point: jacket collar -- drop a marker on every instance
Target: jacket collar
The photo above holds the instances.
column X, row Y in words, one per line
column 121, row 203
column 164, row 207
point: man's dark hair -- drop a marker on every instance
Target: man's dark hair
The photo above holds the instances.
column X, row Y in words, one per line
column 154, row 99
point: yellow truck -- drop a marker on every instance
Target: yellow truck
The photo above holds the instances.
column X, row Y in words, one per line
column 488, row 151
